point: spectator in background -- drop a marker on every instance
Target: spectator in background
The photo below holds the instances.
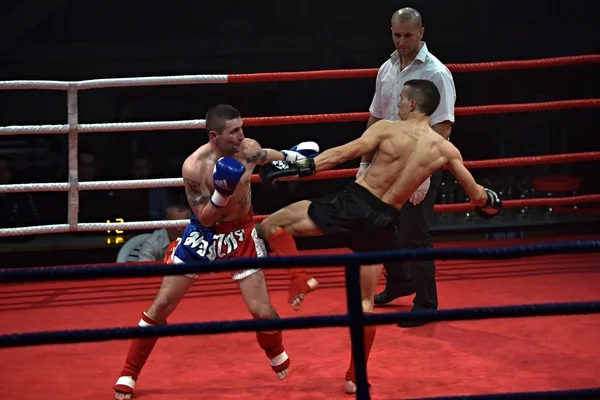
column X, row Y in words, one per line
column 86, row 165
column 412, row 60
column 155, row 247
column 16, row 209
column 95, row 205
column 156, row 198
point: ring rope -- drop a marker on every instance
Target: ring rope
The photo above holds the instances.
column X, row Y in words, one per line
column 329, row 321
column 73, row 127
column 20, row 275
column 355, row 316
column 354, row 319
column 491, row 163
column 288, row 76
column 443, row 208
column 569, row 394
column 339, row 173
column 288, row 119
column 372, row 72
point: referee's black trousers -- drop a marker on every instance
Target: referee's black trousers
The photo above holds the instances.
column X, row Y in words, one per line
column 414, row 224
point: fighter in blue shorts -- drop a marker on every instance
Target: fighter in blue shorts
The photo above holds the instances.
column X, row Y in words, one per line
column 217, row 183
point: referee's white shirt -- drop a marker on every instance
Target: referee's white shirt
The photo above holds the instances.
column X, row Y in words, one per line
column 390, row 81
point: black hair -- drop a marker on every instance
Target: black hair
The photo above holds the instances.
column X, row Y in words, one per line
column 218, row 115
column 425, row 93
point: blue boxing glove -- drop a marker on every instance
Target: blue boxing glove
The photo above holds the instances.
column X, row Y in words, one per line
column 301, row 151
column 226, row 176
column 492, row 206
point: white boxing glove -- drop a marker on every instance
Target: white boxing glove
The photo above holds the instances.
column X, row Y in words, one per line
column 361, row 169
column 419, row 195
column 301, row 151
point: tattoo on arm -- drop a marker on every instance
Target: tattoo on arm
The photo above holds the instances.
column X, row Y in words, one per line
column 194, row 193
column 260, row 156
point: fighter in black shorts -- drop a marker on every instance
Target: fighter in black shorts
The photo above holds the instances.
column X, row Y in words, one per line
column 405, row 153
column 356, row 210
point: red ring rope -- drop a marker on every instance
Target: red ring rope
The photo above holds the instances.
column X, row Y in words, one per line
column 463, row 207
column 459, row 111
column 372, row 72
column 498, row 162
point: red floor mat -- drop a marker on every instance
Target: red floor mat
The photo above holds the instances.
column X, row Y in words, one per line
column 462, row 357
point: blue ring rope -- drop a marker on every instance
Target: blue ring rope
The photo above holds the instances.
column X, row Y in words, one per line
column 355, row 319
column 129, row 271
column 328, row 321
column 590, row 393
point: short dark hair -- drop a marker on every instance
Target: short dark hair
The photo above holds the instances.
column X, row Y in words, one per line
column 178, row 207
column 425, row 93
column 218, row 115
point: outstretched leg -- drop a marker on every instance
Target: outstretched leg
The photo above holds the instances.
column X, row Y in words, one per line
column 279, row 230
column 255, row 294
column 171, row 292
column 369, row 277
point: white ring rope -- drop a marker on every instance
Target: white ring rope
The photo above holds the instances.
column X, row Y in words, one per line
column 94, row 185
column 93, row 227
column 107, row 127
column 151, row 81
column 116, row 82
column 28, row 85
column 73, row 128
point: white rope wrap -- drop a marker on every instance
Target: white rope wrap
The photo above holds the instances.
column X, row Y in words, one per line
column 151, row 81
column 34, row 187
column 108, row 127
column 116, row 82
column 42, row 85
column 92, row 227
column 33, row 129
column 131, row 184
column 95, row 185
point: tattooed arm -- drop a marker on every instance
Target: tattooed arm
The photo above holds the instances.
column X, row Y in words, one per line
column 260, row 156
column 198, row 196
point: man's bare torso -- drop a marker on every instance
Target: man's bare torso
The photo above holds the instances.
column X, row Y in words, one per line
column 198, row 179
column 408, row 153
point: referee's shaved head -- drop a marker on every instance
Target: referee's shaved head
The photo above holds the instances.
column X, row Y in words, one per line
column 407, row 14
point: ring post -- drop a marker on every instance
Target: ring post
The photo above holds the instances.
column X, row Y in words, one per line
column 357, row 334
column 73, row 115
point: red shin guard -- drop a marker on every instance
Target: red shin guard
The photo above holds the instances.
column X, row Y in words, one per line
column 139, row 351
column 283, row 244
column 272, row 344
column 369, row 338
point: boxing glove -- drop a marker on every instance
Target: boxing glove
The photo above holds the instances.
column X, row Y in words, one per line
column 419, row 195
column 272, row 171
column 301, row 151
column 226, row 176
column 492, row 206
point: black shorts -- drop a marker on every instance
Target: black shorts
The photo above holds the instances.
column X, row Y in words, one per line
column 358, row 217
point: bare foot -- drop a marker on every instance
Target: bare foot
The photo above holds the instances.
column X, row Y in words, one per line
column 123, row 396
column 281, row 375
column 124, row 388
column 350, row 387
column 297, row 301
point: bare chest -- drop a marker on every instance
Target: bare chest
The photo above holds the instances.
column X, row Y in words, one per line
column 240, row 201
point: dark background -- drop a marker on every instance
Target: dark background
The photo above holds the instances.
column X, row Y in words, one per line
column 76, row 40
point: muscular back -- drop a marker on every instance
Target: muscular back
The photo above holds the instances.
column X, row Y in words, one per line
column 406, row 155
column 198, row 180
